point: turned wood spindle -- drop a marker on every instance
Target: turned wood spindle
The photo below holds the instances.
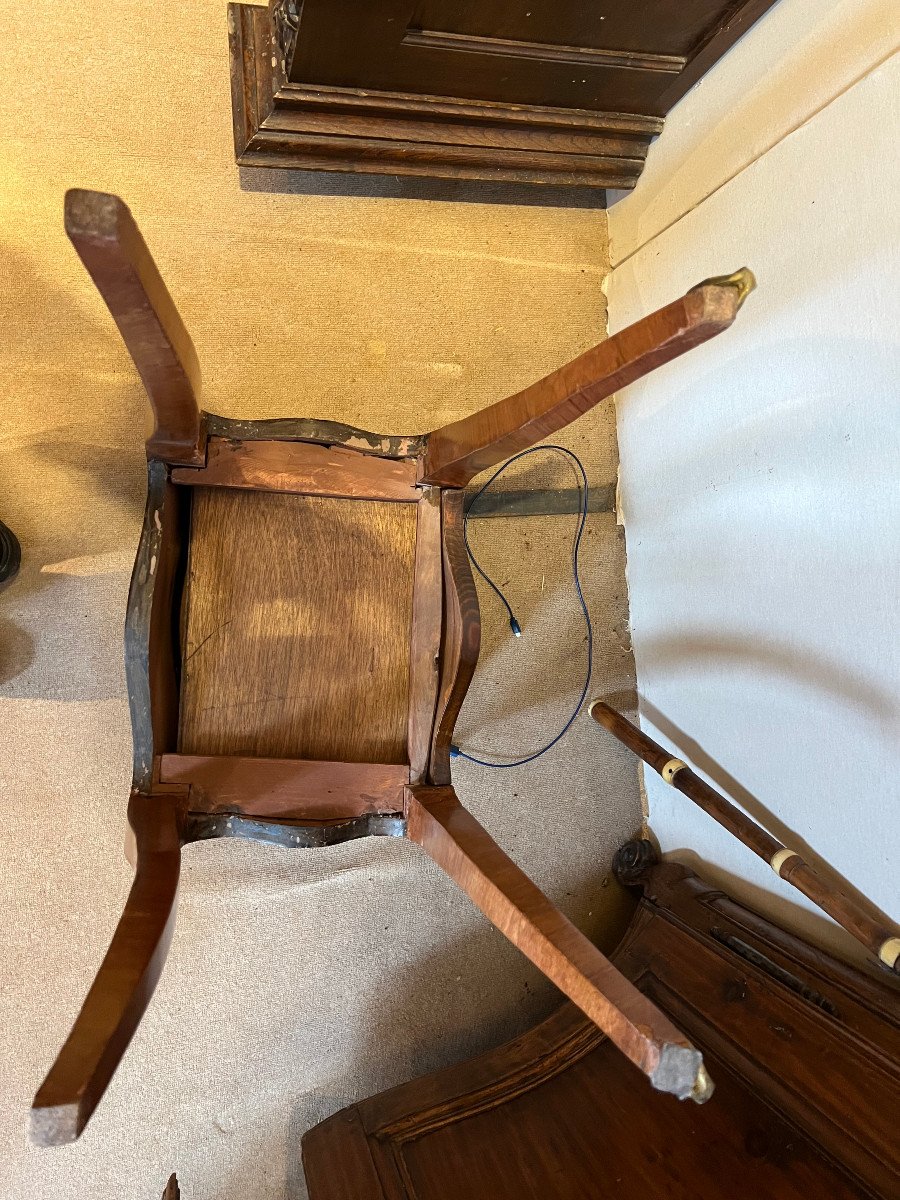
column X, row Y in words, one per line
column 878, row 937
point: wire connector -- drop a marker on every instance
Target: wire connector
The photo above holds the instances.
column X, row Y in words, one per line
column 515, row 626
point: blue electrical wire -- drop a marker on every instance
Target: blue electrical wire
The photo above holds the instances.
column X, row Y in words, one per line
column 455, row 751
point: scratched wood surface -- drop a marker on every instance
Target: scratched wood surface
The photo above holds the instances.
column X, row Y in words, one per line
column 298, row 612
column 286, row 788
column 303, row 468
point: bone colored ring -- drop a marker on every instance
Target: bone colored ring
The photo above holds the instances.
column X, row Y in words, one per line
column 889, row 951
column 780, row 857
column 671, row 768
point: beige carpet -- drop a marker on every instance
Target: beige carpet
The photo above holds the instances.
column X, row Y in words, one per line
column 296, row 981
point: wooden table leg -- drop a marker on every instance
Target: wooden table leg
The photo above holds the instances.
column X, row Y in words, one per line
column 124, row 984
column 438, row 823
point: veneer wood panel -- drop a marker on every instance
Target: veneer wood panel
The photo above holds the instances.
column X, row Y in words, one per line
column 297, row 631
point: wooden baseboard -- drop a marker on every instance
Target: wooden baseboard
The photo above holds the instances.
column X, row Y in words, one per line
column 300, row 126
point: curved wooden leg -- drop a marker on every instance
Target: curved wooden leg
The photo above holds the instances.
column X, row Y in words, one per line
column 454, row 839
column 125, row 982
column 109, row 243
column 456, row 453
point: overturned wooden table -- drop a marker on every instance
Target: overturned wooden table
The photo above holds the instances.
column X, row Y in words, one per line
column 301, row 630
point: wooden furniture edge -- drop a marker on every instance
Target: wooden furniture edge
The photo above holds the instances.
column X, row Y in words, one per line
column 425, row 633
column 302, row 468
column 110, row 245
column 450, row 835
column 122, row 987
column 277, row 123
column 461, row 634
column 673, row 895
column 285, row 788
column 455, row 453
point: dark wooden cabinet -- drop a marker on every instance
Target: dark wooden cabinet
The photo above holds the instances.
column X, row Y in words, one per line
column 803, row 1050
column 540, row 91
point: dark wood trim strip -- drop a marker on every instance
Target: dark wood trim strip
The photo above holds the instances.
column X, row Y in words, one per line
column 380, row 154
column 302, row 469
column 292, row 835
column 582, row 56
column 242, row 30
column 286, row 788
column 587, row 148
column 374, row 103
column 716, row 42
column 151, row 671
column 308, row 429
column 367, row 157
column 304, row 127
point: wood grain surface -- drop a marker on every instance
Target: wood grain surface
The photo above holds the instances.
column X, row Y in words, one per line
column 557, row 96
column 151, row 667
column 302, row 468
column 461, row 639
column 297, row 628
column 284, row 124
column 425, row 637
column 124, row 984
column 286, row 788
column 447, row 832
column 109, row 243
column 458, row 452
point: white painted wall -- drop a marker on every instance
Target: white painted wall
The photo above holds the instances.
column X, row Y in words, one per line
column 760, row 474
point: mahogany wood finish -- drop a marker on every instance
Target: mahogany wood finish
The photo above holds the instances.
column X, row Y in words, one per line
column 299, row 640
column 425, row 635
column 880, row 938
column 804, row 1049
column 519, row 909
column 302, row 468
column 152, row 668
column 556, row 94
column 125, row 982
column 286, row 788
column 103, row 232
column 458, row 452
column 462, row 635
column 298, row 614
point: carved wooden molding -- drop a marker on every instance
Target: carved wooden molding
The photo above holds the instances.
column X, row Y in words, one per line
column 517, row 117
column 283, row 124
